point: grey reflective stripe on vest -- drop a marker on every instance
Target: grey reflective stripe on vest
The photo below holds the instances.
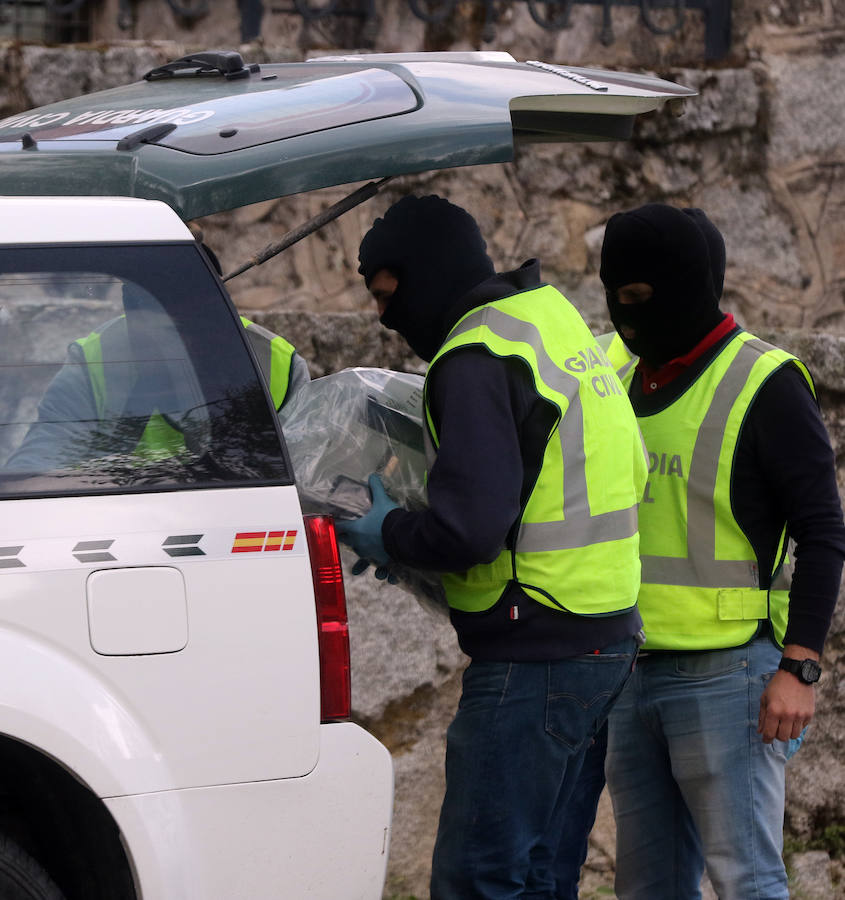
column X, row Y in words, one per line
column 579, row 528
column 701, row 568
column 624, row 370
column 261, row 340
column 783, row 580
column 577, row 531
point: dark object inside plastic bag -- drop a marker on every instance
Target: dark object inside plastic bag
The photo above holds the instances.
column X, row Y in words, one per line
column 341, row 428
column 348, row 495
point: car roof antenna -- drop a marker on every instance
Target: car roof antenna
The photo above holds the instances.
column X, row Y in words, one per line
column 322, row 218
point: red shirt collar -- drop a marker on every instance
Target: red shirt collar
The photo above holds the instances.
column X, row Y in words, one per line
column 654, row 379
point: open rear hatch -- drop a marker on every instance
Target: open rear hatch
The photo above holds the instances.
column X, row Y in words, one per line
column 209, row 133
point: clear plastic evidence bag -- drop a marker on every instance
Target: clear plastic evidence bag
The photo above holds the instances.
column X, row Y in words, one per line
column 341, row 428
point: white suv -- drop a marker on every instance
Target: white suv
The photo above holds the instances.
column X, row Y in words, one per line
column 170, row 627
column 174, row 659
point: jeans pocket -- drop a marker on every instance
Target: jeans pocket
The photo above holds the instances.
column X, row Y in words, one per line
column 711, row 663
column 569, row 720
column 581, row 693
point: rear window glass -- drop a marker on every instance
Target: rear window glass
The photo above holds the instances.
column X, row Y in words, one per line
column 124, row 368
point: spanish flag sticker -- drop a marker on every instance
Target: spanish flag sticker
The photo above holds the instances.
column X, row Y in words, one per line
column 249, row 541
column 280, row 540
column 256, row 541
column 274, row 540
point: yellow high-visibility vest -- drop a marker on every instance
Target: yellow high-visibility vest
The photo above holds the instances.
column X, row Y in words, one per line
column 619, row 355
column 159, row 439
column 700, row 581
column 576, row 546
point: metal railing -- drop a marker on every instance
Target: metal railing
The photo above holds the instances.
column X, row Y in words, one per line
column 662, row 17
column 50, row 22
column 551, row 15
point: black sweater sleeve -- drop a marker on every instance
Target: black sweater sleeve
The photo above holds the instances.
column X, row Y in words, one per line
column 785, row 472
column 482, row 406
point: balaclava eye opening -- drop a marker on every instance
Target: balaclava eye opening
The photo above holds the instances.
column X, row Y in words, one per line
column 436, row 251
column 667, row 248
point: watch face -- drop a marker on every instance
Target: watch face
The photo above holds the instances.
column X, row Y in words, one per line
column 810, row 671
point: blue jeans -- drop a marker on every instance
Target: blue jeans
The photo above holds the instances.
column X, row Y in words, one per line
column 580, row 817
column 692, row 782
column 513, row 754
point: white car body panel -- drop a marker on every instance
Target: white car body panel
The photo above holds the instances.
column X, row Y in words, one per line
column 161, row 646
column 88, row 220
column 164, row 720
column 296, row 838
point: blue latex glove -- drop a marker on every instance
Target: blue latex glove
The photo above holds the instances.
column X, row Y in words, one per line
column 364, row 535
column 793, row 744
column 382, row 573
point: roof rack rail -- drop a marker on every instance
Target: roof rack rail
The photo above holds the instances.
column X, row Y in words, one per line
column 228, row 63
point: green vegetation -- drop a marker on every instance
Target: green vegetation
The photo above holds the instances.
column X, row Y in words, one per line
column 832, row 840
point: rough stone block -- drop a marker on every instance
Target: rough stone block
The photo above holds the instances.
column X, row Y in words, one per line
column 728, row 100
column 810, row 876
column 51, row 74
column 807, row 107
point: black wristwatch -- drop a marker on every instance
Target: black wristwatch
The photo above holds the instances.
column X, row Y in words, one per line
column 806, row 670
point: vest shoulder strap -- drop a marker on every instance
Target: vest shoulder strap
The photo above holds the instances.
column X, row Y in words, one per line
column 275, row 357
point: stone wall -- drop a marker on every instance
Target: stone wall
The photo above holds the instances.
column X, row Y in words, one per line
column 760, row 149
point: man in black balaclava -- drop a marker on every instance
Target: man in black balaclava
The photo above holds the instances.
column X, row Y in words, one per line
column 532, row 591
column 437, row 254
column 583, row 805
column 739, row 459
column 665, row 249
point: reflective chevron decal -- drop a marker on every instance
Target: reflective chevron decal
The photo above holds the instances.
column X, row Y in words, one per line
column 93, row 551
column 7, row 558
column 183, row 545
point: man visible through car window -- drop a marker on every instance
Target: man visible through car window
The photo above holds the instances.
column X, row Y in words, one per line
column 283, row 368
column 127, row 388
column 740, row 464
column 536, row 468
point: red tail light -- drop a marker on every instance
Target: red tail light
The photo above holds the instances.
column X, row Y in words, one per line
column 332, row 623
